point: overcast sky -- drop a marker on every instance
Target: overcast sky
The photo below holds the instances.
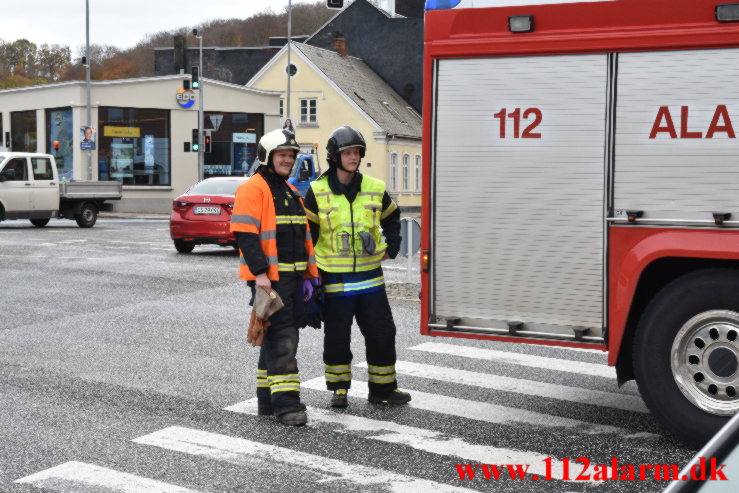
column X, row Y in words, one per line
column 121, row 23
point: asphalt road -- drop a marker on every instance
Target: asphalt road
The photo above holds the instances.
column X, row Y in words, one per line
column 123, row 367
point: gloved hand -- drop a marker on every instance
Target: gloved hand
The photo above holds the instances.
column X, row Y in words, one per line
column 307, row 289
column 309, row 286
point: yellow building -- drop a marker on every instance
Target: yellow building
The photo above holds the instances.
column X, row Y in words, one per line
column 330, row 89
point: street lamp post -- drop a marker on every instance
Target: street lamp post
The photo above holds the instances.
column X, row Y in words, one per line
column 201, row 117
column 289, row 62
column 87, row 82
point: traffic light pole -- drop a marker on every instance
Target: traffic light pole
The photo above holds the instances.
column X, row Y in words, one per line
column 201, row 117
column 87, row 82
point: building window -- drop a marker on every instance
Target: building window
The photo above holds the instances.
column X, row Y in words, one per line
column 308, row 110
column 60, row 140
column 417, row 172
column 23, row 131
column 282, row 107
column 233, row 142
column 134, row 145
column 406, row 172
column 393, row 179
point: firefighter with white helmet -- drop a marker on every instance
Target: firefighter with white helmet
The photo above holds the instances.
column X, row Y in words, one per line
column 348, row 214
column 273, row 236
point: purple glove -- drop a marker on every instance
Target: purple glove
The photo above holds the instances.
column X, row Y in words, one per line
column 307, row 289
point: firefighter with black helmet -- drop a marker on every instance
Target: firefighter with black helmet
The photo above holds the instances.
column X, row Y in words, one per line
column 349, row 213
column 273, row 236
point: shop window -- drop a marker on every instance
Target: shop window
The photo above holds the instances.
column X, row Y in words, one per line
column 134, row 145
column 60, row 140
column 406, row 172
column 233, row 143
column 393, row 178
column 23, row 131
column 417, row 172
column 308, row 110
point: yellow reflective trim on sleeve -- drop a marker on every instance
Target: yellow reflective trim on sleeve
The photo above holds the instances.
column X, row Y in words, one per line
column 312, row 217
column 390, row 209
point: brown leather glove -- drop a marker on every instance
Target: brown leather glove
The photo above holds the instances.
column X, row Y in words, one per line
column 264, row 306
column 257, row 329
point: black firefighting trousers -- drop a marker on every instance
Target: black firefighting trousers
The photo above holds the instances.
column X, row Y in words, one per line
column 278, row 380
column 375, row 321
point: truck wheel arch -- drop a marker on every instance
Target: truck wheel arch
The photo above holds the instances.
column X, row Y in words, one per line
column 655, row 276
column 685, row 356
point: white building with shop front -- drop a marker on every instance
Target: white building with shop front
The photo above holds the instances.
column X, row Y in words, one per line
column 142, row 132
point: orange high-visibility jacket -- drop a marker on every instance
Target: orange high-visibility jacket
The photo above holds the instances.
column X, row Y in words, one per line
column 254, row 212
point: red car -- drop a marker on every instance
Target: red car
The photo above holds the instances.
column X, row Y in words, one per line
column 202, row 215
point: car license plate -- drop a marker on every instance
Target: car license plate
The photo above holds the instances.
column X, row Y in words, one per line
column 208, row 210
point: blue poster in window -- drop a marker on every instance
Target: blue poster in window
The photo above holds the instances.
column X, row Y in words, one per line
column 149, row 152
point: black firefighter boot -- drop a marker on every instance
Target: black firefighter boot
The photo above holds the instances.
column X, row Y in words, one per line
column 293, row 418
column 396, row 396
column 339, row 398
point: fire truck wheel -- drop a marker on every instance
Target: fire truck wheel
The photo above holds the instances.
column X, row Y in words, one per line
column 686, row 354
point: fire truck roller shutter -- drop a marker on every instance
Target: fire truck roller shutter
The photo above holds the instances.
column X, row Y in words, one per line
column 518, row 192
column 676, row 145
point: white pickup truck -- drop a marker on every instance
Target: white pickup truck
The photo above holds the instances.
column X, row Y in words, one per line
column 30, row 189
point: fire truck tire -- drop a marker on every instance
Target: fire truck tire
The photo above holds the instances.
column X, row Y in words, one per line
column 686, row 354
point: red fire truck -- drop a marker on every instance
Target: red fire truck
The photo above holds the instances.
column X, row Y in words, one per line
column 581, row 188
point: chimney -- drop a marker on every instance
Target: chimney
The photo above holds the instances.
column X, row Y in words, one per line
column 338, row 44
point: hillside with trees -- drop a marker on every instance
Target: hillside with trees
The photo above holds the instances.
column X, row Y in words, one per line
column 23, row 63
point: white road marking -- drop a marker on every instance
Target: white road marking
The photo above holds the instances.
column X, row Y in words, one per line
column 75, row 476
column 313, row 469
column 420, row 439
column 488, row 413
column 533, row 388
column 529, row 360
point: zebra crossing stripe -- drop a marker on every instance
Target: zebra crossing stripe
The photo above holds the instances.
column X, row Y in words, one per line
column 488, row 413
column 78, row 476
column 530, row 360
column 313, row 469
column 420, row 439
column 625, row 402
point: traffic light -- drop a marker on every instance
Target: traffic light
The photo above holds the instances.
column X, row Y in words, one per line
column 195, row 78
column 195, row 140
column 206, row 144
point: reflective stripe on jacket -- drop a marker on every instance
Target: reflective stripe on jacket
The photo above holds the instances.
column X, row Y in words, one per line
column 350, row 239
column 254, row 212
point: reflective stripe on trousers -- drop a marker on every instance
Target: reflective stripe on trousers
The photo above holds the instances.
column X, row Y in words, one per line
column 284, row 383
column 381, row 374
column 338, row 373
column 262, row 381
